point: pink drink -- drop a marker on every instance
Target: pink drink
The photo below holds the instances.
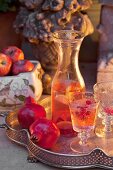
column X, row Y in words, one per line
column 108, row 110
column 83, row 114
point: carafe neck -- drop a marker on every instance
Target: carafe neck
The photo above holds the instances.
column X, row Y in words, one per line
column 68, row 60
column 68, row 55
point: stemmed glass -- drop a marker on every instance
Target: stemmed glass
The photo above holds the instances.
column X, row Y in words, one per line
column 103, row 92
column 83, row 109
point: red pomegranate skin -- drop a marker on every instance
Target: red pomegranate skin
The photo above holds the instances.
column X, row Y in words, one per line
column 29, row 113
column 30, row 100
column 44, row 132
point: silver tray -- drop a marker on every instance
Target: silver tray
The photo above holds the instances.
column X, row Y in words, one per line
column 60, row 155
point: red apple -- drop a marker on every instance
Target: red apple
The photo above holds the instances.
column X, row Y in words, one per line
column 5, row 64
column 14, row 52
column 22, row 66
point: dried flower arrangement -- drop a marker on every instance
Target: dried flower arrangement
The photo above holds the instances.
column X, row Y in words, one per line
column 38, row 19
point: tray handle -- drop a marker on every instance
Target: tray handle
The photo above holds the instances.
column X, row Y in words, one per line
column 3, row 125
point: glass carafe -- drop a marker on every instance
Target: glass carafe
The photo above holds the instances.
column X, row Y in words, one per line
column 67, row 78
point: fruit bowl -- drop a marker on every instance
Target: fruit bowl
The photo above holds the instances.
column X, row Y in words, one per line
column 14, row 89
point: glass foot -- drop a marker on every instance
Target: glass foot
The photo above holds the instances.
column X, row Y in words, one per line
column 81, row 149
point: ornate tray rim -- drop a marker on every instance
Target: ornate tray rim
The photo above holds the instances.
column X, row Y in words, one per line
column 34, row 159
column 14, row 135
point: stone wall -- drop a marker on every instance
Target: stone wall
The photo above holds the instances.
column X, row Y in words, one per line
column 105, row 60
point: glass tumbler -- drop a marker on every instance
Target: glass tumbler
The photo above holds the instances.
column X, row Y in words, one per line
column 103, row 92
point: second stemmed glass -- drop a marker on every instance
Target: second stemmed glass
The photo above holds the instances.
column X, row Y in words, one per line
column 103, row 92
column 83, row 109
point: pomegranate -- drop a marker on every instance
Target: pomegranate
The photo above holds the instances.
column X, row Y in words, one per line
column 44, row 133
column 30, row 100
column 30, row 112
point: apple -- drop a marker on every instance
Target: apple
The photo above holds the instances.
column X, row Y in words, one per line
column 22, row 66
column 5, row 64
column 14, row 53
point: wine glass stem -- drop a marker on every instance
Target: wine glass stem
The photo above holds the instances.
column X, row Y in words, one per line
column 107, row 124
column 83, row 135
